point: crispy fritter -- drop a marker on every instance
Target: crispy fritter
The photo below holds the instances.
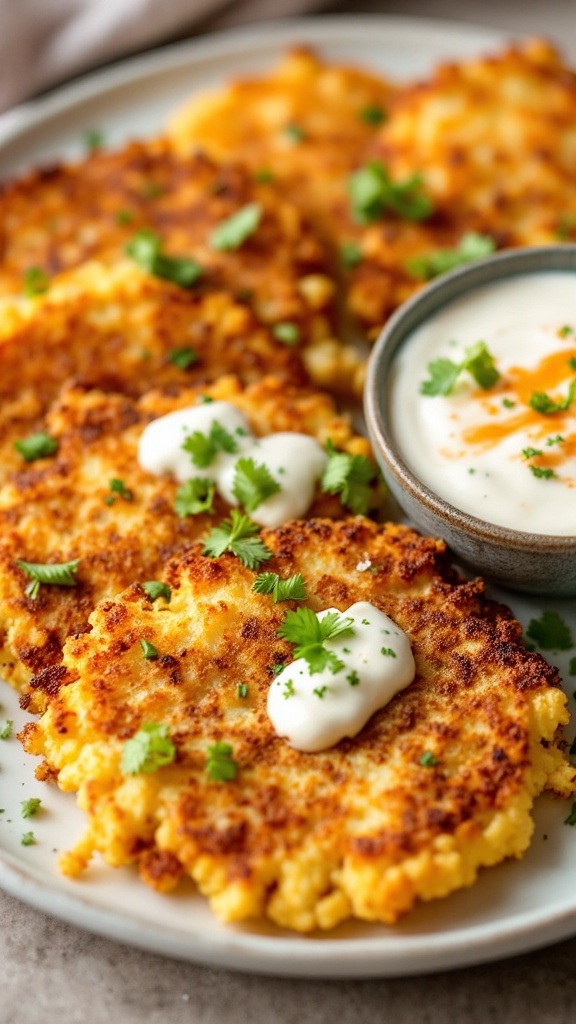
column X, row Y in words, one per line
column 362, row 829
column 61, row 508
column 57, row 218
column 494, row 140
column 121, row 328
column 305, row 123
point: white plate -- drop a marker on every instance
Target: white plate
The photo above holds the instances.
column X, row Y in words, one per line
column 514, row 907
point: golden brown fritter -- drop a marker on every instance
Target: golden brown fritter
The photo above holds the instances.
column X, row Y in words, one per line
column 363, row 829
column 57, row 218
column 494, row 139
column 61, row 508
column 122, row 328
column 305, row 124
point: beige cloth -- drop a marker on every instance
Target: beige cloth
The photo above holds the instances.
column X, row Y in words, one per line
column 43, row 42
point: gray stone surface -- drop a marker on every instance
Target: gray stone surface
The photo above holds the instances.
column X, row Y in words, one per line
column 52, row 973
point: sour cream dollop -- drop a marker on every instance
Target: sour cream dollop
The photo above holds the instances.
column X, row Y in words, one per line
column 490, row 452
column 296, row 461
column 313, row 711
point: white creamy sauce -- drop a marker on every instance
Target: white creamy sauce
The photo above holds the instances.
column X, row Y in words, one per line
column 315, row 711
column 468, row 446
column 296, row 461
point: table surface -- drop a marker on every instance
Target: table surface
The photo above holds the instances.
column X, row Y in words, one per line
column 52, row 972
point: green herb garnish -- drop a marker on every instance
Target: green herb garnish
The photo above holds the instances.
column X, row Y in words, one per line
column 372, row 193
column 233, row 232
column 428, row 760
column 54, row 574
column 294, row 132
column 444, row 373
column 253, row 483
column 124, row 217
column 286, row 332
column 542, row 402
column 291, row 589
column 571, row 819
column 351, row 255
column 471, row 247
column 238, row 535
column 6, row 730
column 508, row 403
column 155, row 589
column 288, row 690
column 184, row 357
column 309, row 633
column 350, row 477
column 353, row 678
column 148, row 650
column 93, row 139
column 30, row 807
column 543, row 474
column 203, row 448
column 220, row 764
column 194, row 497
column 36, row 282
column 149, row 749
column 530, row 453
column 550, row 632
column 36, row 446
column 119, row 487
column 28, row 839
column 372, row 114
column 388, row 652
column 146, row 250
column 242, row 690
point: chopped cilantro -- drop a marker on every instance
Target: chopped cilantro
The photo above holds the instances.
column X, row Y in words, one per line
column 203, row 448
column 233, row 232
column 145, row 248
column 286, row 332
column 288, row 690
column 557, row 439
column 253, row 484
column 148, row 650
column 543, row 474
column 388, row 652
column 372, row 193
column 194, row 497
column 427, row 760
column 372, row 114
column 36, row 446
column 155, row 589
column 36, row 282
column 149, row 749
column 294, row 132
column 30, row 807
column 291, row 589
column 6, row 729
column 530, row 453
column 571, row 819
column 242, row 690
column 471, row 247
column 220, row 764
column 119, row 487
column 184, row 357
column 572, row 362
column 239, row 536
column 550, row 632
column 444, row 373
column 566, row 331
column 350, row 255
column 93, row 139
column 350, row 477
column 320, row 691
column 508, row 403
column 55, row 574
column 353, row 678
column 542, row 402
column 28, row 839
column 277, row 669
column 309, row 633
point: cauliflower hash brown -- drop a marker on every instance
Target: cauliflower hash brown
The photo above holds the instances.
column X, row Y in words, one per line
column 303, row 125
column 362, row 829
column 491, row 141
column 61, row 508
column 122, row 328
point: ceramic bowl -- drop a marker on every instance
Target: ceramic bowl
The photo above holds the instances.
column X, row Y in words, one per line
column 536, row 563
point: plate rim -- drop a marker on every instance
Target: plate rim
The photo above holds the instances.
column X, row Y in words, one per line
column 299, row 956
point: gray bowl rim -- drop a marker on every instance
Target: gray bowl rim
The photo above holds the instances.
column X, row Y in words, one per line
column 410, row 315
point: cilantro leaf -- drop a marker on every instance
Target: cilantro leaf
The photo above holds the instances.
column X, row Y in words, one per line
column 28, row 839
column 253, row 483
column 233, row 232
column 543, row 474
column 36, row 282
column 443, row 376
column 203, row 448
column 145, row 248
column 372, row 114
column 93, row 139
column 427, row 760
column 444, row 373
column 36, row 446
column 220, row 765
column 183, row 357
column 155, row 589
column 286, row 332
column 149, row 749
column 148, row 650
column 294, row 132
column 372, row 192
column 55, row 574
column 550, row 632
column 194, row 497
column 30, row 807
column 291, row 589
column 309, row 633
column 542, row 402
column 349, row 476
column 239, row 536
column 480, row 364
column 6, row 729
column 119, row 487
column 242, row 690
column 471, row 247
column 571, row 819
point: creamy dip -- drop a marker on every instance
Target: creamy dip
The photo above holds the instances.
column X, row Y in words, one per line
column 490, row 452
column 295, row 461
column 316, row 710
